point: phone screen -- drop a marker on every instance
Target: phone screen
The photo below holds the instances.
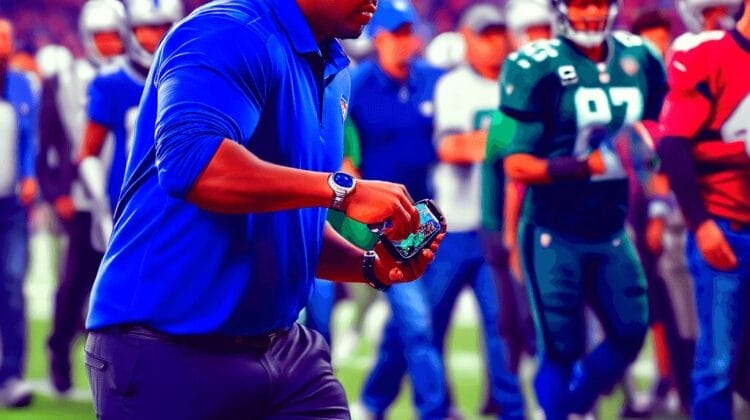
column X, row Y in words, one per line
column 429, row 227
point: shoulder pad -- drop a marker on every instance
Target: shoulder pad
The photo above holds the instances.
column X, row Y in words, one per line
column 537, row 54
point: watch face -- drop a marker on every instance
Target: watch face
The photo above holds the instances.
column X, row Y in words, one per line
column 343, row 180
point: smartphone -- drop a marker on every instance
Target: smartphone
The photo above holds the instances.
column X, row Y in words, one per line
column 430, row 225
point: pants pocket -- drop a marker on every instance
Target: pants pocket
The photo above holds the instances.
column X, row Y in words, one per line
column 96, row 370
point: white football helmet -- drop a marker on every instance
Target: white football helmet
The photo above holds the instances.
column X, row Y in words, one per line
column 148, row 13
column 526, row 13
column 691, row 12
column 101, row 16
column 586, row 39
column 52, row 59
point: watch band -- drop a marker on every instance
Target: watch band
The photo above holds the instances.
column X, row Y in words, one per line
column 337, row 202
column 368, row 268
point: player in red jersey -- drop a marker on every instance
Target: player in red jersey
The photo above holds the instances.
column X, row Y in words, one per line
column 705, row 152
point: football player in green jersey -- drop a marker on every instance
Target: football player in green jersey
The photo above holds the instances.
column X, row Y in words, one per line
column 563, row 104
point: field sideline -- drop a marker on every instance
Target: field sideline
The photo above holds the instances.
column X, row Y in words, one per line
column 464, row 360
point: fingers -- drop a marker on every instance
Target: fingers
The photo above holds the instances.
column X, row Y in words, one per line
column 406, row 193
column 723, row 256
column 402, row 224
column 408, row 203
column 720, row 257
column 395, row 275
column 729, row 253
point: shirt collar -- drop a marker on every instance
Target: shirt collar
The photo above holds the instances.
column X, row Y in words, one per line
column 300, row 35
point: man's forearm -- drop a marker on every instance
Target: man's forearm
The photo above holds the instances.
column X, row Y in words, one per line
column 678, row 165
column 237, row 181
column 340, row 260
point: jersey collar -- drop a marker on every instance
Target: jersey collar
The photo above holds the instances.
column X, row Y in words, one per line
column 298, row 31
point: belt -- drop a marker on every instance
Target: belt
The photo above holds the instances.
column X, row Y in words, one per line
column 210, row 342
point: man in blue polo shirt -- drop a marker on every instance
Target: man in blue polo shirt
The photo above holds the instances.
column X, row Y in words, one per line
column 220, row 228
column 393, row 113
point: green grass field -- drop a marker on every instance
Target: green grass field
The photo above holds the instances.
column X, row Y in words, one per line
column 464, row 360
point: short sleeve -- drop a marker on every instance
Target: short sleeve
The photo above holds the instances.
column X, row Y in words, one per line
column 688, row 103
column 519, row 86
column 448, row 119
column 99, row 107
column 208, row 89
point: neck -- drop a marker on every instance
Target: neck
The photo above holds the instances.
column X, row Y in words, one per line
column 487, row 72
column 308, row 8
column 395, row 72
column 596, row 54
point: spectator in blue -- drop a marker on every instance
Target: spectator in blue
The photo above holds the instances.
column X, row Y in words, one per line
column 393, row 112
column 220, row 227
column 18, row 188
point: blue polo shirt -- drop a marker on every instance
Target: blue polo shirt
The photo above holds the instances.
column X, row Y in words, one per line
column 395, row 124
column 251, row 71
column 113, row 98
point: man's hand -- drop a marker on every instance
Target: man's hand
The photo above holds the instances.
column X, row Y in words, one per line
column 390, row 271
column 28, row 191
column 604, row 163
column 714, row 246
column 64, row 207
column 377, row 201
column 654, row 235
column 514, row 264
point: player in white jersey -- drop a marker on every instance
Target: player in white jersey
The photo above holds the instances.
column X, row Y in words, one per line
column 63, row 115
column 465, row 100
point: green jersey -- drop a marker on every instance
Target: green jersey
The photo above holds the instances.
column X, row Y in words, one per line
column 564, row 104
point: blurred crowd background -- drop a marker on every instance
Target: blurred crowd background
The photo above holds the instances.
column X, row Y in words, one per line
column 42, row 22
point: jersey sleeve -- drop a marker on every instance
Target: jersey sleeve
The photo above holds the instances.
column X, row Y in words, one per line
column 206, row 94
column 523, row 90
column 99, row 107
column 448, row 120
column 687, row 106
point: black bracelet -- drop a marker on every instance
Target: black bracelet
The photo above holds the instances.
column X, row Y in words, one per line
column 368, row 268
column 567, row 168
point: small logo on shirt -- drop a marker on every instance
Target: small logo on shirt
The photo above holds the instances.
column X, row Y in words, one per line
column 344, row 108
column 568, row 75
column 545, row 240
column 426, row 108
column 629, row 66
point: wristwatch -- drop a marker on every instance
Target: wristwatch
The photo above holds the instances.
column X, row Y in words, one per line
column 342, row 184
column 368, row 267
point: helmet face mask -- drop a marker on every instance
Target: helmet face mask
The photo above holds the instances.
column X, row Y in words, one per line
column 692, row 13
column 585, row 32
column 149, row 13
column 97, row 17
